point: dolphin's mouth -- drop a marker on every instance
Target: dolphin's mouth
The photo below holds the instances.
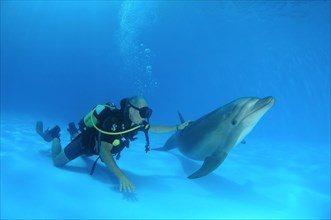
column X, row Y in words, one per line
column 262, row 105
column 265, row 102
column 251, row 110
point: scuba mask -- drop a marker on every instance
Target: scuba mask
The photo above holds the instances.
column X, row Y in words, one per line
column 144, row 112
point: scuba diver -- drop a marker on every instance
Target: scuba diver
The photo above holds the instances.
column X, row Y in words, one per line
column 105, row 131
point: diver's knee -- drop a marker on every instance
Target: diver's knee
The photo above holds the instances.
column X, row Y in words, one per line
column 58, row 163
column 60, row 160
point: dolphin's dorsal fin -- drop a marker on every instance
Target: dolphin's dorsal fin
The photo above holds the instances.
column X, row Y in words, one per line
column 210, row 164
column 181, row 117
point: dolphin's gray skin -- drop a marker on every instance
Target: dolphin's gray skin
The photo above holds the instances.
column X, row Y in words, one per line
column 211, row 137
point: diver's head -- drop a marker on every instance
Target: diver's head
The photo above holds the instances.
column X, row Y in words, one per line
column 138, row 110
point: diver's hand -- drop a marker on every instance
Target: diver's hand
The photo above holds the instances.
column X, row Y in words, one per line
column 183, row 125
column 125, row 184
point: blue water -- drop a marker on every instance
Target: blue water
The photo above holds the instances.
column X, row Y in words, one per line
column 60, row 58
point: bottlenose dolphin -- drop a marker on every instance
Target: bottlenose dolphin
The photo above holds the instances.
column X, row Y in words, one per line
column 211, row 137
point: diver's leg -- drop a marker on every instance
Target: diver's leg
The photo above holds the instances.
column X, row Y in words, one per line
column 58, row 156
column 47, row 135
column 73, row 150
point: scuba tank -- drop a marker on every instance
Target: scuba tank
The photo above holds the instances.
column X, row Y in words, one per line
column 92, row 118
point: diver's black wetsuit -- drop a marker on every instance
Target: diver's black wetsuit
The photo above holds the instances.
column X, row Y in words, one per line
column 88, row 141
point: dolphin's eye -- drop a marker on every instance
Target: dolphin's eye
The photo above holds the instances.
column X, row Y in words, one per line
column 234, row 122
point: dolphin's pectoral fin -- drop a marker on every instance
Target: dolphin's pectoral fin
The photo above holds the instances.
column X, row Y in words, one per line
column 210, row 164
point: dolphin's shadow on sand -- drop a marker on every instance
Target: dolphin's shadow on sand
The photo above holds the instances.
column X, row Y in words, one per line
column 222, row 187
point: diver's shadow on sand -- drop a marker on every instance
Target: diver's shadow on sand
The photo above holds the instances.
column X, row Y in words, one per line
column 219, row 186
column 102, row 174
